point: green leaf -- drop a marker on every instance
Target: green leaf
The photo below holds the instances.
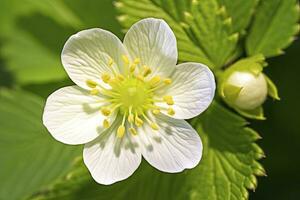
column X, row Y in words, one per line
column 203, row 28
column 227, row 169
column 273, row 28
column 30, row 158
column 34, row 33
column 241, row 12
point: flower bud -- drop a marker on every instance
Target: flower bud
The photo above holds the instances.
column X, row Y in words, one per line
column 246, row 90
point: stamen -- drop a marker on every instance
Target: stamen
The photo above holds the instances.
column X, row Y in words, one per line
column 154, row 81
column 140, row 78
column 125, row 59
column 130, row 116
column 137, row 61
column 120, row 77
column 132, row 68
column 168, row 81
column 105, row 77
column 94, row 91
column 105, row 111
column 156, row 111
column 154, row 126
column 91, row 83
column 121, row 131
column 168, row 99
column 138, row 121
column 146, row 71
column 110, row 62
column 106, row 123
column 133, row 131
column 171, row 111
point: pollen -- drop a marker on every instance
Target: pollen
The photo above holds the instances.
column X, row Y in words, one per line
column 156, row 111
column 132, row 131
column 132, row 68
column 137, row 61
column 171, row 111
column 125, row 59
column 154, row 126
column 130, row 118
column 168, row 99
column 121, row 131
column 168, row 81
column 138, row 121
column 105, row 77
column 91, row 83
column 110, row 62
column 120, row 77
column 146, row 71
column 105, row 111
column 106, row 123
column 94, row 91
column 154, row 81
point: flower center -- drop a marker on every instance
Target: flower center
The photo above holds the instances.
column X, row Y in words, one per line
column 132, row 95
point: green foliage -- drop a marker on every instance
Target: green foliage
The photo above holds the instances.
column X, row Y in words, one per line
column 241, row 12
column 273, row 28
column 34, row 33
column 203, row 28
column 29, row 159
column 228, row 167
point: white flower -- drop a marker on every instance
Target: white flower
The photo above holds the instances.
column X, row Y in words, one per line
column 130, row 100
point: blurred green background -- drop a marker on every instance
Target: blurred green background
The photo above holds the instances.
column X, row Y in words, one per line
column 32, row 35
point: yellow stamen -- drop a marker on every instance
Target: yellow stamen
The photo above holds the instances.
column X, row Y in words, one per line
column 154, row 126
column 156, row 111
column 154, row 81
column 146, row 71
column 137, row 61
column 168, row 99
column 133, row 131
column 130, row 118
column 106, row 123
column 105, row 111
column 110, row 62
column 91, row 84
column 140, row 78
column 171, row 111
column 105, row 77
column 94, row 91
column 168, row 81
column 120, row 77
column 132, row 68
column 125, row 59
column 121, row 131
column 138, row 121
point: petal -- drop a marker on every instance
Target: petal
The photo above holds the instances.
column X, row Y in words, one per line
column 193, row 90
column 86, row 55
column 111, row 159
column 72, row 115
column 153, row 41
column 174, row 147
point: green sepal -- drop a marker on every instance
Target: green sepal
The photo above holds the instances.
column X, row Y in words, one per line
column 272, row 89
column 257, row 113
column 231, row 92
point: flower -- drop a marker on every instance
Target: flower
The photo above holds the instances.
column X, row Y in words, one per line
column 130, row 101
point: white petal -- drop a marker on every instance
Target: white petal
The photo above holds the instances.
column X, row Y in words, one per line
column 153, row 41
column 72, row 115
column 174, row 147
column 193, row 90
column 86, row 55
column 111, row 159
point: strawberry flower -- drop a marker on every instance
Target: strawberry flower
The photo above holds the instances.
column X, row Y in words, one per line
column 130, row 100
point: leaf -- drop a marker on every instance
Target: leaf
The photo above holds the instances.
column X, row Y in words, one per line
column 227, row 169
column 273, row 28
column 34, row 34
column 241, row 12
column 30, row 158
column 202, row 28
